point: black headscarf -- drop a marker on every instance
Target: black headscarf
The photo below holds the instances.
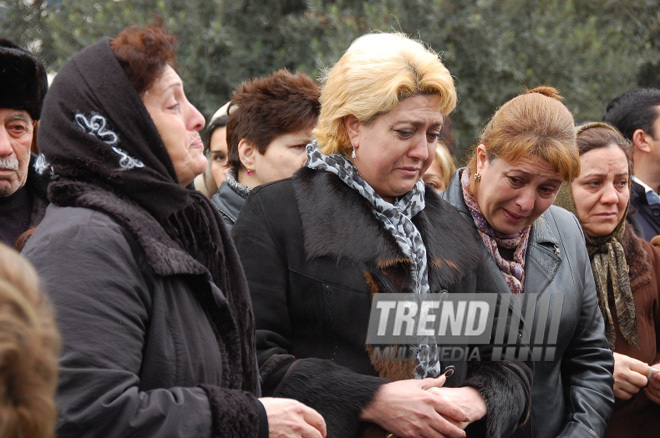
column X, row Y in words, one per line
column 106, row 154
column 97, row 131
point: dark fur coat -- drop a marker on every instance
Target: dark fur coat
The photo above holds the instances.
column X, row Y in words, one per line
column 314, row 255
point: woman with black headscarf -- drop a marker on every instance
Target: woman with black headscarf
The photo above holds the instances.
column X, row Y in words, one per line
column 157, row 326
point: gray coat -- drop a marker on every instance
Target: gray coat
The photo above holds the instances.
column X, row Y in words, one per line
column 228, row 203
column 140, row 356
column 571, row 395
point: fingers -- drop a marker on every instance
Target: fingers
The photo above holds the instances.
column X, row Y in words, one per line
column 653, row 390
column 430, row 382
column 442, row 427
column 315, row 420
column 290, row 418
column 629, row 376
column 653, row 396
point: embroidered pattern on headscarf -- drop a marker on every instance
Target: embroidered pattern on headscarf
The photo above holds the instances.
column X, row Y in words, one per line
column 96, row 125
column 41, row 165
column 397, row 220
column 512, row 270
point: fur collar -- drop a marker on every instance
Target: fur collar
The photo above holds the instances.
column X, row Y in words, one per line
column 163, row 254
column 639, row 266
column 338, row 223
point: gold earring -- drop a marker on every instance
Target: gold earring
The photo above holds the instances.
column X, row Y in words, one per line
column 477, row 177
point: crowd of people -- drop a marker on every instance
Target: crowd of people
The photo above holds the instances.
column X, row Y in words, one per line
column 185, row 279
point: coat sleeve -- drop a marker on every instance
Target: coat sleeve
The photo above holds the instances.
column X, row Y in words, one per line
column 102, row 300
column 336, row 392
column 588, row 362
column 653, row 251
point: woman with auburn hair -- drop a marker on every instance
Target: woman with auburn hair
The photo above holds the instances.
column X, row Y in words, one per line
column 152, row 303
column 270, row 122
column 626, row 270
column 29, row 346
column 536, row 252
column 358, row 221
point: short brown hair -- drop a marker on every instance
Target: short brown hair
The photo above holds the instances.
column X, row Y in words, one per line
column 534, row 123
column 29, row 347
column 144, row 53
column 262, row 109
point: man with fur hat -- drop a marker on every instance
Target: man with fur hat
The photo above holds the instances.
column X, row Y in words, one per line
column 23, row 85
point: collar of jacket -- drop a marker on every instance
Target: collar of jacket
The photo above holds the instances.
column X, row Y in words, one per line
column 228, row 202
column 543, row 248
column 339, row 223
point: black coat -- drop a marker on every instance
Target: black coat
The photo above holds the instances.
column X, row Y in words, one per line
column 314, row 254
column 644, row 217
column 142, row 355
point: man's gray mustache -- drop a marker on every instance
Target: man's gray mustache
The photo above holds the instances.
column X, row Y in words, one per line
column 9, row 163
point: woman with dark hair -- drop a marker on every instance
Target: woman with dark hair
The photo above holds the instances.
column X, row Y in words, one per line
column 157, row 326
column 536, row 252
column 355, row 223
column 270, row 122
column 626, row 270
column 215, row 149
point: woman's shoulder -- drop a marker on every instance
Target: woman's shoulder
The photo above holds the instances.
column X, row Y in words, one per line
column 79, row 228
column 565, row 222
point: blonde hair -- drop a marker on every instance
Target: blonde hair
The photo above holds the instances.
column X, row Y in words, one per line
column 534, row 123
column 445, row 160
column 29, row 347
column 377, row 72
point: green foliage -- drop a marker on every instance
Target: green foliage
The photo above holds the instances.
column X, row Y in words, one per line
column 591, row 50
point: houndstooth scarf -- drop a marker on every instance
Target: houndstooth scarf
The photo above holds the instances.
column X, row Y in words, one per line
column 397, row 219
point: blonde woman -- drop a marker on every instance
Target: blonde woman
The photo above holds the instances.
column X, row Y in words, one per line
column 29, row 347
column 357, row 221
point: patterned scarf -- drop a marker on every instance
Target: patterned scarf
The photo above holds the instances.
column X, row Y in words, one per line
column 397, row 220
column 612, row 276
column 512, row 270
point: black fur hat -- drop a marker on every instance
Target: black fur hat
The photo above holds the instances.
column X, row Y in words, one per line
column 23, row 80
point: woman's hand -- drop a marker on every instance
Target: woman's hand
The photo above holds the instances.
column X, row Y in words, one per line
column 653, row 390
column 289, row 418
column 407, row 409
column 467, row 398
column 629, row 376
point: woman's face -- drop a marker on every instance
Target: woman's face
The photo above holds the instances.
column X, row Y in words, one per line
column 218, row 150
column 178, row 123
column 601, row 192
column 512, row 195
column 284, row 155
column 433, row 176
column 395, row 149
